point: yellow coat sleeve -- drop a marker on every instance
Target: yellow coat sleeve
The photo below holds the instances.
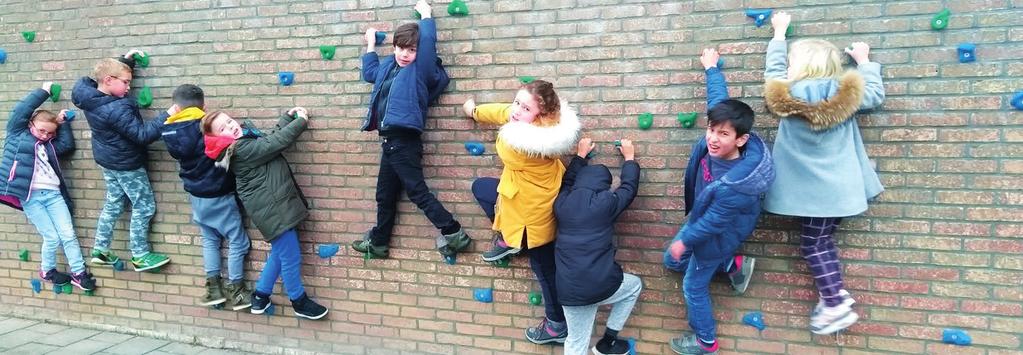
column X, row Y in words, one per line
column 492, row 113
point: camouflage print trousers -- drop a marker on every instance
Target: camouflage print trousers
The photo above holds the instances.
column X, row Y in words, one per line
column 133, row 184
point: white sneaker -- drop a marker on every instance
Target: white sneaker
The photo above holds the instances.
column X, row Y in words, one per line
column 847, row 300
column 833, row 319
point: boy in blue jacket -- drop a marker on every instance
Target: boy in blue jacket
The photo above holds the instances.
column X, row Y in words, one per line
column 211, row 194
column 403, row 87
column 119, row 141
column 728, row 171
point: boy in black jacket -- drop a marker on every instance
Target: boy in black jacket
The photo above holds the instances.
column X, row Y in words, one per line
column 587, row 274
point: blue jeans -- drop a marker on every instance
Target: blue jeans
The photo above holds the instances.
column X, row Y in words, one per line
column 48, row 211
column 696, row 290
column 134, row 185
column 284, row 261
column 218, row 218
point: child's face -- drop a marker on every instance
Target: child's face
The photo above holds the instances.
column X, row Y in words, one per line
column 225, row 126
column 524, row 108
column 722, row 142
column 404, row 55
column 42, row 130
column 117, row 85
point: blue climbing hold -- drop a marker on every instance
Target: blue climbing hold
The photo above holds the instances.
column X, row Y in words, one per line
column 286, row 78
column 759, row 16
column 381, row 36
column 1017, row 100
column 754, row 319
column 3, row 56
column 955, row 336
column 632, row 346
column 269, row 310
column 328, row 250
column 475, row 148
column 69, row 116
column 119, row 265
column 37, row 285
column 967, row 52
column 484, row 295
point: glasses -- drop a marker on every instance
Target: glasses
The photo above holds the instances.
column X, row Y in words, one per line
column 126, row 82
column 42, row 132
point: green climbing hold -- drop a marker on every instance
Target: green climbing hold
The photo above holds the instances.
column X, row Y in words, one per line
column 66, row 288
column 940, row 20
column 90, row 292
column 525, row 79
column 788, row 31
column 145, row 97
column 687, row 119
column 646, row 120
column 29, row 36
column 618, row 143
column 458, row 8
column 23, row 254
column 327, row 52
column 141, row 59
column 535, row 298
column 55, row 92
column 503, row 262
column 417, row 15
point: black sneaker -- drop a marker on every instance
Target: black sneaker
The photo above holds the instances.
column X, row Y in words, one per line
column 259, row 303
column 544, row 333
column 608, row 346
column 306, row 308
column 500, row 249
column 54, row 276
column 84, row 281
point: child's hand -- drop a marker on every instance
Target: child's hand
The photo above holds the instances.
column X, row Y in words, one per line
column 371, row 37
column 676, row 249
column 627, row 149
column 47, row 85
column 62, row 117
column 132, row 52
column 584, row 147
column 709, row 59
column 780, row 22
column 469, row 106
column 424, row 9
column 301, row 111
column 859, row 51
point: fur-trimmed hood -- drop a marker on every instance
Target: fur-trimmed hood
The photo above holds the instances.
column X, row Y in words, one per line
column 819, row 115
column 544, row 141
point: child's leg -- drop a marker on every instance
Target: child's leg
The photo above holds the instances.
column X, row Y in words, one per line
column 541, row 260
column 406, row 160
column 290, row 256
column 485, row 191
column 37, row 214
column 219, row 218
column 696, row 290
column 210, row 250
column 623, row 300
column 64, row 225
column 580, row 327
column 237, row 243
column 388, row 193
column 143, row 207
column 112, row 209
column 819, row 251
column 271, row 271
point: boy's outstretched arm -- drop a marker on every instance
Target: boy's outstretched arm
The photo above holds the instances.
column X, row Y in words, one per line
column 132, row 127
column 370, row 60
column 22, row 112
column 579, row 161
column 629, row 186
column 266, row 148
column 777, row 49
column 426, row 50
column 717, row 87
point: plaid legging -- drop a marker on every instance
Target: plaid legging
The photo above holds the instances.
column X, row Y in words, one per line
column 819, row 250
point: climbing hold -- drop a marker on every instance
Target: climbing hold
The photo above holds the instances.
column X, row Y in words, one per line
column 90, row 292
column 502, row 262
column 591, row 154
column 23, row 254
column 535, row 298
column 119, row 265
column 525, row 79
column 328, row 250
column 1017, row 100
column 955, row 336
column 789, row 31
column 940, row 20
column 632, row 346
column 218, row 306
column 417, row 15
column 29, row 36
column 754, row 319
column 618, row 143
column 450, row 259
column 687, row 119
column 269, row 310
column 721, row 63
column 142, row 59
column 145, row 97
column 57, row 289
column 475, row 148
column 381, row 36
column 646, row 120
column 66, row 288
column 36, row 285
column 69, row 116
column 55, row 92
column 3, row 56
column 286, row 78
column 759, row 16
column 484, row 295
column 458, row 8
column 327, row 51
column 967, row 52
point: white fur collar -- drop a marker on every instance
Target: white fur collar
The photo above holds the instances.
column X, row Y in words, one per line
column 547, row 141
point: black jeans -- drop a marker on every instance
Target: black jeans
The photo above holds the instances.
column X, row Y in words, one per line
column 401, row 168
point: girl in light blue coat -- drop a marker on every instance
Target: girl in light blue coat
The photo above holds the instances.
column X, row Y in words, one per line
column 823, row 173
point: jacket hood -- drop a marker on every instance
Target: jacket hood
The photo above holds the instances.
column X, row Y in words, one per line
column 820, row 115
column 86, row 95
column 547, row 141
column 593, row 177
column 755, row 175
column 188, row 114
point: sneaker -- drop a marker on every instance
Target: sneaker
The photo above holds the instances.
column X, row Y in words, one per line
column 149, row 261
column 846, row 300
column 56, row 277
column 500, row 250
column 688, row 344
column 259, row 303
column 455, row 242
column 740, row 277
column 103, row 257
column 238, row 297
column 607, row 346
column 306, row 308
column 833, row 319
column 84, row 281
column 214, row 295
column 544, row 333
column 364, row 245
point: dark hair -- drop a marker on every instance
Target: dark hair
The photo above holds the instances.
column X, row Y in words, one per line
column 188, row 95
column 739, row 114
column 407, row 35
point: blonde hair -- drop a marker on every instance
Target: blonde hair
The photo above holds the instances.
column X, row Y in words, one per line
column 43, row 116
column 814, row 59
column 109, row 67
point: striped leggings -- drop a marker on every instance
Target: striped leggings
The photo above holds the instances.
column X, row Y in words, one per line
column 818, row 247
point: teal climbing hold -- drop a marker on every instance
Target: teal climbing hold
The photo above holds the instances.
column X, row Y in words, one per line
column 759, row 16
column 381, row 36
column 55, row 92
column 270, row 310
column 967, row 52
column 69, row 116
column 754, row 319
column 145, row 96
column 23, row 254
column 29, row 36
column 37, row 285
column 450, row 259
column 484, row 295
column 721, row 63
column 646, row 120
column 142, row 59
column 327, row 51
column 632, row 346
column 458, row 8
column 618, row 143
column 525, row 79
column 687, row 119
column 940, row 20
column 119, row 265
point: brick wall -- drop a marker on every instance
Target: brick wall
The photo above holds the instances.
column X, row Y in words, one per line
column 941, row 248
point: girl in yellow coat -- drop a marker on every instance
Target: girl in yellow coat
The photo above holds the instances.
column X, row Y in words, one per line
column 536, row 129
